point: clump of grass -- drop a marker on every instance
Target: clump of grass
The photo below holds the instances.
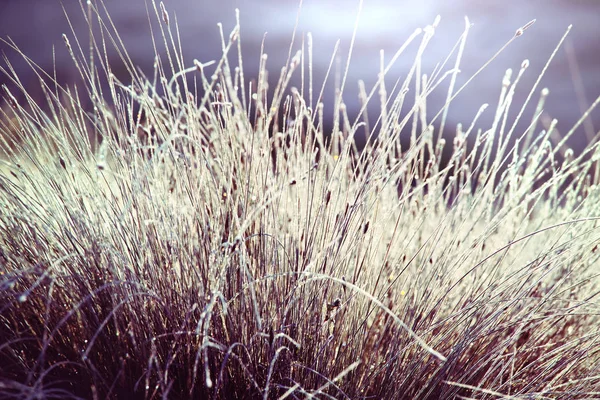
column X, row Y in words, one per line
column 209, row 240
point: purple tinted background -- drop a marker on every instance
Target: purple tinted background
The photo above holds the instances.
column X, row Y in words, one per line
column 36, row 25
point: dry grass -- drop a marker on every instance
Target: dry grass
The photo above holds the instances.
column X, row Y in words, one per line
column 196, row 241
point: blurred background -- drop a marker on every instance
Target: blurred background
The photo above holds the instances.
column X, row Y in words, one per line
column 573, row 78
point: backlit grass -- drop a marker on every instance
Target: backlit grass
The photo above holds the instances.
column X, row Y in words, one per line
column 194, row 234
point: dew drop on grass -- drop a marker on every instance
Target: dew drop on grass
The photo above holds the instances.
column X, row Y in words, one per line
column 23, row 298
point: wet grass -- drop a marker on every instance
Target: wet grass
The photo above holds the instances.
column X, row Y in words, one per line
column 206, row 238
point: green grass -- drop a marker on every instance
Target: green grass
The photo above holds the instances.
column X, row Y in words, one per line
column 196, row 241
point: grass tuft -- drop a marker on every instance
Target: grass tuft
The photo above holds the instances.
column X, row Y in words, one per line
column 197, row 234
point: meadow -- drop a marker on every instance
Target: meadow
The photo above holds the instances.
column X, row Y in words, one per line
column 200, row 233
